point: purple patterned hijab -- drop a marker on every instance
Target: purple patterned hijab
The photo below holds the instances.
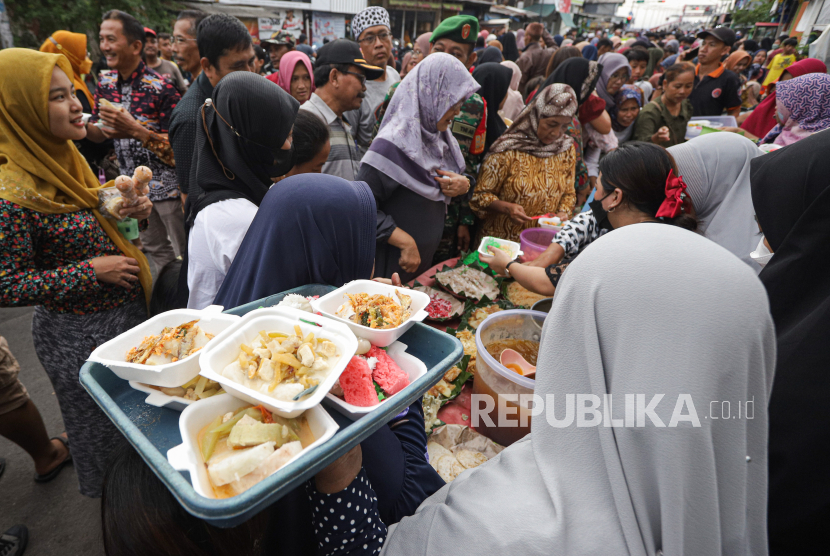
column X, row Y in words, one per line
column 409, row 148
column 807, row 98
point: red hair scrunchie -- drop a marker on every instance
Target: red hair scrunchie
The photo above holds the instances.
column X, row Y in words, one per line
column 675, row 196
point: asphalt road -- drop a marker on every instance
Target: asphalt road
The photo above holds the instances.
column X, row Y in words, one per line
column 60, row 520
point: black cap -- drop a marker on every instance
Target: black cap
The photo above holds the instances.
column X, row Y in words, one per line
column 344, row 51
column 723, row 34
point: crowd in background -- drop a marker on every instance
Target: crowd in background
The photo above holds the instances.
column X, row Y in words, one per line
column 363, row 160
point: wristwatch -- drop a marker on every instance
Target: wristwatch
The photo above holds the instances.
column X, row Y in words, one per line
column 507, row 267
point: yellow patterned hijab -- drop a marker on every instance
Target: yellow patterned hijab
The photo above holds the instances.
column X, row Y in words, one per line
column 37, row 170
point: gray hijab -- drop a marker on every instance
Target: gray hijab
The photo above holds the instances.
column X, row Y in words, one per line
column 715, row 168
column 699, row 325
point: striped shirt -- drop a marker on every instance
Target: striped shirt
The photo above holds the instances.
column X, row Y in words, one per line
column 344, row 159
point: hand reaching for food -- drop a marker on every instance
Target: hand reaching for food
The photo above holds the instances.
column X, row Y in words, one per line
column 662, row 136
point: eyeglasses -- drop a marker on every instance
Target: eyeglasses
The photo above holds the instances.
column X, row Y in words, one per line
column 174, row 39
column 369, row 40
column 360, row 76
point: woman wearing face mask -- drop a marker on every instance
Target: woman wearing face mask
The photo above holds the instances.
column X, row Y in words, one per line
column 638, row 182
column 240, row 150
column 87, row 282
column 529, row 170
column 791, row 196
column 415, row 165
column 296, row 76
column 663, row 121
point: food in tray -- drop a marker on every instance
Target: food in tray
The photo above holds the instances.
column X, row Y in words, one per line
column 296, row 301
column 442, row 306
column 510, row 247
column 376, row 311
column 444, row 386
column 469, row 282
column 243, row 447
column 482, row 313
column 367, row 381
column 197, row 389
column 173, row 344
column 468, row 342
column 450, row 465
column 285, row 367
column 522, row 297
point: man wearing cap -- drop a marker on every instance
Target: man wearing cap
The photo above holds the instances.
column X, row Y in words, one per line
column 716, row 88
column 534, row 60
column 456, row 36
column 162, row 67
column 340, row 78
column 280, row 44
column 373, row 34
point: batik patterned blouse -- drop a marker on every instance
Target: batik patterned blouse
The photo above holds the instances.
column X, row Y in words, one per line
column 45, row 259
column 539, row 185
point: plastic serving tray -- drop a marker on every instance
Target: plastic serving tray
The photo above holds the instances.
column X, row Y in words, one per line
column 154, row 430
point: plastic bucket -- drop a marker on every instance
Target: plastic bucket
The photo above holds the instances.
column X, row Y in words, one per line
column 534, row 241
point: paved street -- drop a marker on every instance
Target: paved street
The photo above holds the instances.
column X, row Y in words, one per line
column 60, row 520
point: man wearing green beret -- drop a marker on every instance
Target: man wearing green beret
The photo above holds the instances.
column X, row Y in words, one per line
column 456, row 36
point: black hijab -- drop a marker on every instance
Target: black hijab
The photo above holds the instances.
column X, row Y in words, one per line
column 766, row 44
column 581, row 74
column 263, row 115
column 791, row 196
column 495, row 82
column 488, row 55
column 508, row 42
column 310, row 229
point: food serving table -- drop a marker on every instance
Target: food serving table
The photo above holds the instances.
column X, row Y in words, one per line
column 154, row 430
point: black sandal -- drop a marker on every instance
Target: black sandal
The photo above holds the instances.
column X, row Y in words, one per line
column 46, row 477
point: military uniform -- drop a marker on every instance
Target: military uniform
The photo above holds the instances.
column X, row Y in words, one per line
column 469, row 128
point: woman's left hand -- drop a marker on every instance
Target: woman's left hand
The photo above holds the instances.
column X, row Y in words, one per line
column 140, row 211
column 498, row 261
column 452, row 184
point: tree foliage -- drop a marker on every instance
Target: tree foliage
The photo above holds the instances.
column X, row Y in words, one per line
column 754, row 12
column 33, row 21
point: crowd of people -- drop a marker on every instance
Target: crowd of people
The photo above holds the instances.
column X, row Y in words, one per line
column 277, row 165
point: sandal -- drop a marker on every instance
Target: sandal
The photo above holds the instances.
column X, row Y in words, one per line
column 46, row 477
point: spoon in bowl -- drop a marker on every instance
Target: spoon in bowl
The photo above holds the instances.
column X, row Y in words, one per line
column 514, row 361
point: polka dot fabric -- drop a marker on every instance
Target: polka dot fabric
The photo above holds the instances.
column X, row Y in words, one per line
column 370, row 17
column 347, row 522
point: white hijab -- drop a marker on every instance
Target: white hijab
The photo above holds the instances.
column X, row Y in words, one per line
column 716, row 169
column 654, row 310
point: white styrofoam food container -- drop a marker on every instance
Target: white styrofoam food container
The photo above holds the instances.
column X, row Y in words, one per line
column 513, row 249
column 113, row 353
column 187, row 456
column 157, row 398
column 329, row 303
column 224, row 350
column 409, row 364
column 548, row 223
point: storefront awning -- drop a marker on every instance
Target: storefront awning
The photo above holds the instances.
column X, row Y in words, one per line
column 236, row 11
column 511, row 11
column 544, row 9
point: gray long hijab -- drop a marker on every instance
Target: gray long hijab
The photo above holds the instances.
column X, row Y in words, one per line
column 715, row 168
column 698, row 325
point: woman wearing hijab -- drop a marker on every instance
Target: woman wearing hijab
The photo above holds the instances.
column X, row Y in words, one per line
column 803, row 108
column 655, row 55
column 509, row 48
column 738, row 61
column 560, row 56
column 581, row 75
column 491, row 54
column 615, row 73
column 590, row 52
column 757, row 71
column 59, row 253
column 791, row 197
column 520, row 40
column 325, row 227
column 407, row 64
column 529, row 170
column 495, row 82
column 514, row 104
column 558, row 39
column 415, row 165
column 761, row 121
column 240, row 149
column 421, row 48
column 627, row 105
column 716, row 172
column 296, row 77
column 679, row 484
column 73, row 46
